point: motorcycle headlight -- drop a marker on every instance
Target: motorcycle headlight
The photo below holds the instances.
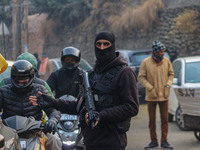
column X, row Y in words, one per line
column 68, row 122
column 68, row 125
column 69, row 142
column 69, row 138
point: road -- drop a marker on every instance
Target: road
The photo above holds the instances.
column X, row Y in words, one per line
column 138, row 135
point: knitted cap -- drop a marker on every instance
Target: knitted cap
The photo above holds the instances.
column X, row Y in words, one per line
column 157, row 46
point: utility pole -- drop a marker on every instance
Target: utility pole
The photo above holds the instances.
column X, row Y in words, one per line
column 16, row 28
column 3, row 34
column 26, row 27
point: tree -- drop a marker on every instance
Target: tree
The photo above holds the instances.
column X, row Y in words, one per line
column 5, row 16
column 69, row 12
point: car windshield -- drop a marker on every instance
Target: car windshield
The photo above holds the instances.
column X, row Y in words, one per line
column 137, row 58
column 123, row 56
column 59, row 63
column 6, row 73
column 192, row 72
column 83, row 64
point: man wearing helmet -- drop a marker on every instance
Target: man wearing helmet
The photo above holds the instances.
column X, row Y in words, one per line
column 32, row 59
column 156, row 75
column 14, row 100
column 66, row 79
column 7, row 133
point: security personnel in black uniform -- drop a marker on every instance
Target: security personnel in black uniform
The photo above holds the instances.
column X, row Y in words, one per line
column 114, row 87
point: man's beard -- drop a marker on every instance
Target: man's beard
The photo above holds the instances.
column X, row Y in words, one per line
column 160, row 57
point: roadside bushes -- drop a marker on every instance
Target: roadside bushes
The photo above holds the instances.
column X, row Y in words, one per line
column 140, row 18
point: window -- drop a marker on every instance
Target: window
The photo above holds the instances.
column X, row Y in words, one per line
column 6, row 73
column 192, row 72
column 137, row 58
column 177, row 71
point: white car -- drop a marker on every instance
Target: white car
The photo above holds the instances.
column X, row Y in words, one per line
column 83, row 64
column 6, row 73
column 186, row 74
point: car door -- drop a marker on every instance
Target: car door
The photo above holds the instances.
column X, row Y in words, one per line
column 173, row 101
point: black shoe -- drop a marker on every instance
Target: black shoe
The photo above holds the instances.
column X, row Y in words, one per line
column 151, row 145
column 166, row 145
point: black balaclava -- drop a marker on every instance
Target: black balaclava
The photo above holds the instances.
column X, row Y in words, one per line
column 108, row 54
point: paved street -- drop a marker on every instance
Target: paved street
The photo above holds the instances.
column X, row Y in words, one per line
column 138, row 135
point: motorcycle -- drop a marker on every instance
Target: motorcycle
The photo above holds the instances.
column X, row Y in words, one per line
column 68, row 129
column 29, row 131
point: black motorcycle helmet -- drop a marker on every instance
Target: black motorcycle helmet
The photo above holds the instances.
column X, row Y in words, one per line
column 70, row 51
column 22, row 75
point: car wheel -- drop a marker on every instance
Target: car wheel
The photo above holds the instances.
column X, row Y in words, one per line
column 179, row 118
column 197, row 135
column 170, row 117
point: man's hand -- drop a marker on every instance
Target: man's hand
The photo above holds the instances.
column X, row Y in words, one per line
column 51, row 126
column 167, row 86
column 96, row 118
column 42, row 100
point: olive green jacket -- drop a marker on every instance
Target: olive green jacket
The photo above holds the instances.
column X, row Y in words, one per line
column 154, row 77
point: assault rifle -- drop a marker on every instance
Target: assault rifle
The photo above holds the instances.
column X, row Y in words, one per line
column 89, row 100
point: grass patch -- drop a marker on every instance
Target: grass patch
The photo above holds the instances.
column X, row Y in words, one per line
column 187, row 23
column 140, row 18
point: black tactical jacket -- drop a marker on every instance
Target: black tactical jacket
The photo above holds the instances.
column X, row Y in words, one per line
column 64, row 83
column 124, row 104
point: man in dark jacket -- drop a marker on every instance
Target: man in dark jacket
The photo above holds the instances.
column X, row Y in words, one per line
column 14, row 100
column 31, row 58
column 114, row 87
column 66, row 79
column 38, row 64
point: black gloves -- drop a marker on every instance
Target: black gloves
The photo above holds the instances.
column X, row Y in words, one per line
column 45, row 101
column 51, row 125
column 97, row 116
